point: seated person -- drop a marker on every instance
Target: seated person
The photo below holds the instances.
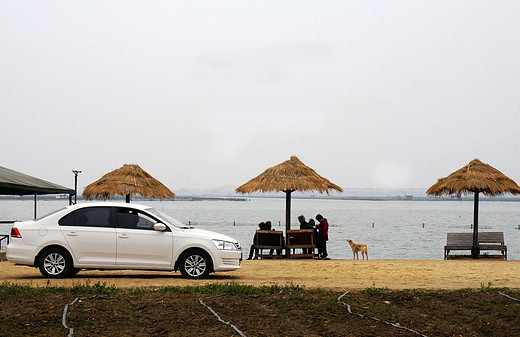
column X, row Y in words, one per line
column 268, row 227
column 262, row 227
column 306, row 225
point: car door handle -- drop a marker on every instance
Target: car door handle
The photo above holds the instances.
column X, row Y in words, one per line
column 72, row 234
column 123, row 236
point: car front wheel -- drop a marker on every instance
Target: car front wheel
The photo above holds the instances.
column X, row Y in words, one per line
column 55, row 263
column 195, row 264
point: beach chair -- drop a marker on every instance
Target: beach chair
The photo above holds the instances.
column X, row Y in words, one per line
column 271, row 240
column 303, row 239
column 493, row 241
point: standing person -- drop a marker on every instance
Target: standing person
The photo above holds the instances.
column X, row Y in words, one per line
column 303, row 223
column 323, row 237
column 312, row 225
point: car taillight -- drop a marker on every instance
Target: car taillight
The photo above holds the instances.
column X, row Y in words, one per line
column 15, row 233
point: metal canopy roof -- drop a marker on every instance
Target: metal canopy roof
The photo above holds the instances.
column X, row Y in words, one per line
column 16, row 183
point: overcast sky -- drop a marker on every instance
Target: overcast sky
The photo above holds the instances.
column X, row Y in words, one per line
column 203, row 94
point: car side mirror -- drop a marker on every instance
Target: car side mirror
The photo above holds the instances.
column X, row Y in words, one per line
column 159, row 227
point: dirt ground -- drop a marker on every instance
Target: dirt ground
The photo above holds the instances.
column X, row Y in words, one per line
column 284, row 312
column 332, row 274
column 367, row 309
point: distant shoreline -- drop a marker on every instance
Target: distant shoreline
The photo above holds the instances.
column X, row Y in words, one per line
column 177, row 198
column 248, row 198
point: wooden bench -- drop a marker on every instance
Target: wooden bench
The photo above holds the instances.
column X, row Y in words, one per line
column 272, row 240
column 486, row 241
column 301, row 239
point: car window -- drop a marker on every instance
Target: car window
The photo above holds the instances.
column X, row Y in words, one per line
column 87, row 217
column 133, row 219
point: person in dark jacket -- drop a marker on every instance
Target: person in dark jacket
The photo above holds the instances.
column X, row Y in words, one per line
column 261, row 226
column 303, row 223
column 306, row 225
column 323, row 237
column 269, row 227
column 312, row 224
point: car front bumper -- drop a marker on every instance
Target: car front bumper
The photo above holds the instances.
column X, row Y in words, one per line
column 227, row 260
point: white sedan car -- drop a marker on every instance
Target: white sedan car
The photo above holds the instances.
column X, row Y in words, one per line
column 112, row 235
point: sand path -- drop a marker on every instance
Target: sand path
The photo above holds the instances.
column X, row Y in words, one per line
column 333, row 274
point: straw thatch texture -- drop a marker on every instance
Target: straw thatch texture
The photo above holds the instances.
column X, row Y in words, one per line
column 475, row 177
column 128, row 180
column 291, row 175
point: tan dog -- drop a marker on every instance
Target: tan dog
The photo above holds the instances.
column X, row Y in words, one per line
column 358, row 247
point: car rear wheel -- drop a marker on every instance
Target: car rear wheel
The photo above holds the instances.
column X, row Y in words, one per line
column 55, row 263
column 195, row 264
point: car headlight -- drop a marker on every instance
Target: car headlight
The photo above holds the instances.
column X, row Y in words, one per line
column 226, row 245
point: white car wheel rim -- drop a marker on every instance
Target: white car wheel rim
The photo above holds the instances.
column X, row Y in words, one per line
column 54, row 264
column 195, row 265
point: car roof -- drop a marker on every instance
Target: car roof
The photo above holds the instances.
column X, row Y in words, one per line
column 108, row 204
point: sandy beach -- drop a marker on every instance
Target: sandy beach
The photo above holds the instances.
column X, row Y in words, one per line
column 333, row 274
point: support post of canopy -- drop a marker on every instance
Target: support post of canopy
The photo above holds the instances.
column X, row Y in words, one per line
column 35, row 194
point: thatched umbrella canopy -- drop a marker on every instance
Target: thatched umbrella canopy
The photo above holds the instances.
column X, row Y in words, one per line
column 289, row 176
column 128, row 180
column 476, row 177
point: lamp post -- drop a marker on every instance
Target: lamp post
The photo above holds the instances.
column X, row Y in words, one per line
column 76, row 172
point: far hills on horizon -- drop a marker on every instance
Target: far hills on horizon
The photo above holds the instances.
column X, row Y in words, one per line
column 348, row 193
column 228, row 193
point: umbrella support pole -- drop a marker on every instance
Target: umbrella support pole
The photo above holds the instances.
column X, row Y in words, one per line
column 287, row 218
column 475, row 251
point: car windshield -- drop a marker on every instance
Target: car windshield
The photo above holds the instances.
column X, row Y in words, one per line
column 166, row 217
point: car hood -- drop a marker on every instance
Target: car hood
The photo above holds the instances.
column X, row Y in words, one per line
column 197, row 232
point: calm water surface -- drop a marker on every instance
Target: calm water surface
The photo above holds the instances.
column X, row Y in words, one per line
column 391, row 229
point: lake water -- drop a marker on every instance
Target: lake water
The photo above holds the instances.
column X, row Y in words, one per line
column 391, row 229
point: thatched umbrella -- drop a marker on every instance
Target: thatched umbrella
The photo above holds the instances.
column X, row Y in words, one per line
column 476, row 177
column 289, row 176
column 128, row 180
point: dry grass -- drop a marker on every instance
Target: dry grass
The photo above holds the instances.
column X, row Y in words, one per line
column 291, row 175
column 475, row 177
column 127, row 180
